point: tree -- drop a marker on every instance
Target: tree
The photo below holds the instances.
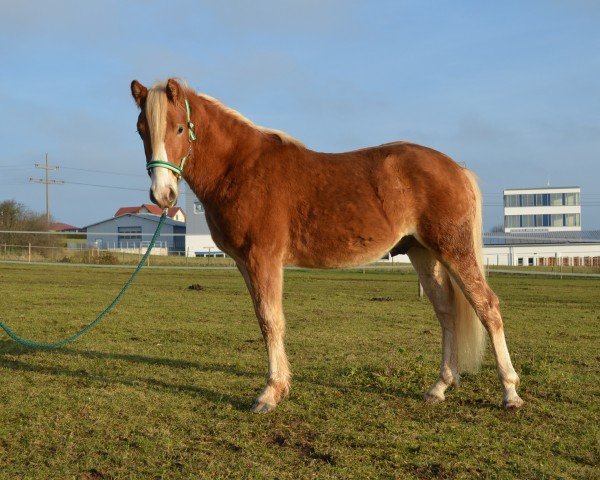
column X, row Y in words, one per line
column 15, row 216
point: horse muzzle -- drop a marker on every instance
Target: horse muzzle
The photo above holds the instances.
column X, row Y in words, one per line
column 165, row 199
column 164, row 190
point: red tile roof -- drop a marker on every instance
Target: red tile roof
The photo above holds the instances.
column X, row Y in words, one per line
column 153, row 209
column 61, row 227
column 124, row 210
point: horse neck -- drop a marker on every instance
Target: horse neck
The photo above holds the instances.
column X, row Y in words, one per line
column 223, row 143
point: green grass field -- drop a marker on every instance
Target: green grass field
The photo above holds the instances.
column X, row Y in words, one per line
column 162, row 388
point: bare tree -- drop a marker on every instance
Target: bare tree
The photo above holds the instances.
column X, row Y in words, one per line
column 15, row 216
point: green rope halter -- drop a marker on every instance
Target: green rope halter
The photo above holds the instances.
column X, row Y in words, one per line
column 178, row 170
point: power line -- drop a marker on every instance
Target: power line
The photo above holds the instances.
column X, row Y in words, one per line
column 106, row 172
column 106, row 186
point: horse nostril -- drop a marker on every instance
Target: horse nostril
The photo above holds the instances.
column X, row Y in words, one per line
column 172, row 195
column 152, row 197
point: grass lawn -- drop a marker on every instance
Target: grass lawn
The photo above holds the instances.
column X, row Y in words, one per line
column 162, row 388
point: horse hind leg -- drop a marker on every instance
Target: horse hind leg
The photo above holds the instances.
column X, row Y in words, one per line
column 471, row 280
column 437, row 286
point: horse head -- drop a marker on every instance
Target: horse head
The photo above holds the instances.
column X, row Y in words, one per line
column 165, row 127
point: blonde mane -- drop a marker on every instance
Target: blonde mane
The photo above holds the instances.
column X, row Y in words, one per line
column 283, row 137
column 156, row 113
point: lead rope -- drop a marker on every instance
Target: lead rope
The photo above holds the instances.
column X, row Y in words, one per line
column 106, row 311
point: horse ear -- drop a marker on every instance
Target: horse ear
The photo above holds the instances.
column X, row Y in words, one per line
column 174, row 92
column 139, row 93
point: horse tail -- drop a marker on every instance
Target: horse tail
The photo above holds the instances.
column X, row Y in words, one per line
column 469, row 333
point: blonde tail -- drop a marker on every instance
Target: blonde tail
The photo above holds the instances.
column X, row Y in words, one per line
column 469, row 333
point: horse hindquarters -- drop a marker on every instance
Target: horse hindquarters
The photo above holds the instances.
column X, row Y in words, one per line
column 459, row 249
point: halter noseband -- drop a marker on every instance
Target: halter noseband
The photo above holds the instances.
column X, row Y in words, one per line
column 178, row 170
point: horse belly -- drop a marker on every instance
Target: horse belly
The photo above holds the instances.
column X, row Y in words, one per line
column 342, row 245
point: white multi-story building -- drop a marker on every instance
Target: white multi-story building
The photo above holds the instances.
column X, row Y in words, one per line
column 546, row 209
column 198, row 241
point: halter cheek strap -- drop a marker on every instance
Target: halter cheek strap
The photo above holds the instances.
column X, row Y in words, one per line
column 178, row 170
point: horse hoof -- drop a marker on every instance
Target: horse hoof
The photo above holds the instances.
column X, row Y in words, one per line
column 262, row 407
column 513, row 403
column 434, row 398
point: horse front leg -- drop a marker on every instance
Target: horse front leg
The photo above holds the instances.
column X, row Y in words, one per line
column 264, row 279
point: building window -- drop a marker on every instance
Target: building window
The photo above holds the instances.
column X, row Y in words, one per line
column 527, row 200
column 572, row 199
column 556, row 199
column 130, row 234
column 542, row 199
column 572, row 220
column 557, row 220
column 546, row 220
column 520, row 261
column 530, row 262
column 198, row 208
column 511, row 201
column 512, row 221
column 528, row 220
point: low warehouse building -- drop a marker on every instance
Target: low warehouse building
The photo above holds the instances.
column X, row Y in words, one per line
column 132, row 232
column 575, row 248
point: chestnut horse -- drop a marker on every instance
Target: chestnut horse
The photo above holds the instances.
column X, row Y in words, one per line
column 271, row 202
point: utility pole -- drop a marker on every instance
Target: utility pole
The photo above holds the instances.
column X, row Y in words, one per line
column 47, row 182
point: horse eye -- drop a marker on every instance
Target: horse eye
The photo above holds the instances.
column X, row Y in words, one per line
column 179, row 130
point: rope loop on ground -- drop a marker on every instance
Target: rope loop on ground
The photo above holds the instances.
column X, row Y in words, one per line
column 99, row 318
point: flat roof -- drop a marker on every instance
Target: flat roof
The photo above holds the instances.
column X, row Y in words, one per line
column 539, row 188
column 545, row 238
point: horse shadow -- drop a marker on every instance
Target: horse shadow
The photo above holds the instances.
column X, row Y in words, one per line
column 10, row 349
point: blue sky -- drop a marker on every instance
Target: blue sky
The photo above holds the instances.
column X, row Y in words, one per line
column 510, row 88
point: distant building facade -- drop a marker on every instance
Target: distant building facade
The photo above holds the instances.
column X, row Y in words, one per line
column 568, row 248
column 556, row 209
column 131, row 231
column 198, row 240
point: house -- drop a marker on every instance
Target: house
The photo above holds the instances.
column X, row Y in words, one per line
column 176, row 213
column 133, row 231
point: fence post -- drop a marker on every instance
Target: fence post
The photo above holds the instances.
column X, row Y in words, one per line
column 29, row 260
column 561, row 265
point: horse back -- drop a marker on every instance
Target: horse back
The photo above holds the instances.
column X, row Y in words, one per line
column 326, row 210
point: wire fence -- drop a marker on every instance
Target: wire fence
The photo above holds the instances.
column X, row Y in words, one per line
column 73, row 248
column 84, row 254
